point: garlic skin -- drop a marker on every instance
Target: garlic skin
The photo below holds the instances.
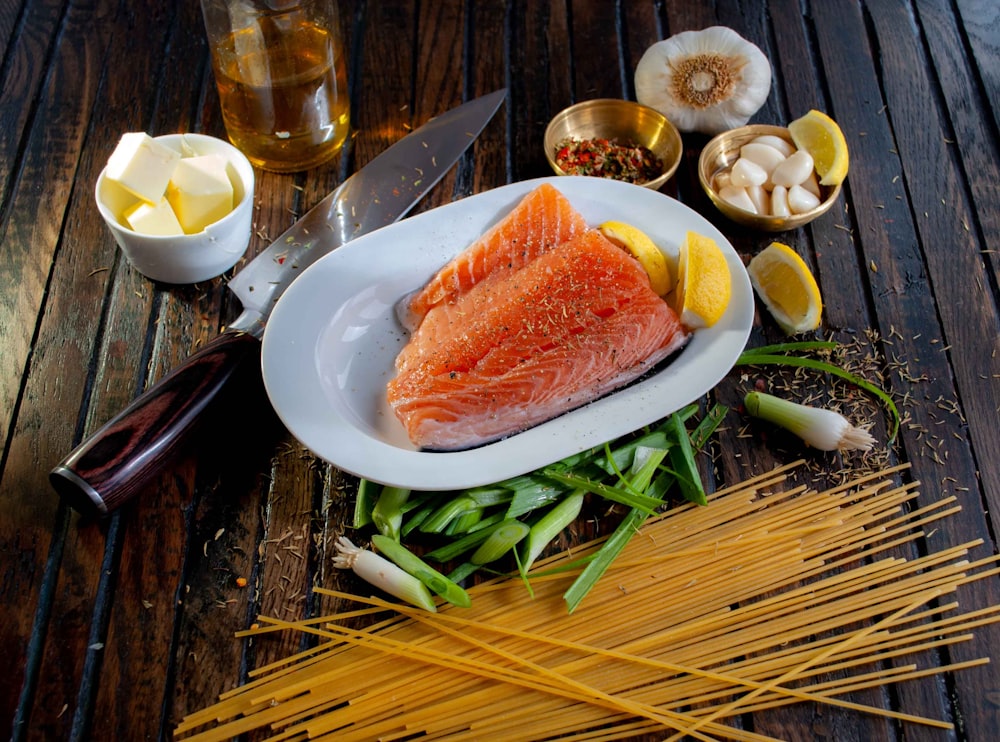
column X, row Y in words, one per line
column 705, row 81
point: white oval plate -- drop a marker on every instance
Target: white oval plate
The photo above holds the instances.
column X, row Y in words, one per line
column 331, row 341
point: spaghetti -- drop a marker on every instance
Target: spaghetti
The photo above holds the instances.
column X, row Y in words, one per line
column 763, row 599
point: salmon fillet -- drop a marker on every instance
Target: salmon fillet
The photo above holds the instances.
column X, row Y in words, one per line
column 575, row 323
column 542, row 220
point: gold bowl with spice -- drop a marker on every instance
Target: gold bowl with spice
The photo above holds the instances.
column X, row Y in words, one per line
column 614, row 138
column 717, row 169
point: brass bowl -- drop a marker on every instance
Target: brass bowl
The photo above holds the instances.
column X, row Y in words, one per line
column 720, row 154
column 610, row 118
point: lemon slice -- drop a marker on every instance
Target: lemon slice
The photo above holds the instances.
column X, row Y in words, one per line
column 821, row 137
column 787, row 287
column 703, row 281
column 645, row 251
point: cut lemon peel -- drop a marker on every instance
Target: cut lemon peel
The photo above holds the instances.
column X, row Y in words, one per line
column 821, row 137
column 787, row 287
column 644, row 250
column 704, row 283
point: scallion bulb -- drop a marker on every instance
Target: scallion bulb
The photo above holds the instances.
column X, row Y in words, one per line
column 820, row 428
column 383, row 574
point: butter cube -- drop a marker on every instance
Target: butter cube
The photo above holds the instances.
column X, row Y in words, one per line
column 200, row 191
column 158, row 219
column 142, row 166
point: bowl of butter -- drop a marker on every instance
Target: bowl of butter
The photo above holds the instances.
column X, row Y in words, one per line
column 180, row 206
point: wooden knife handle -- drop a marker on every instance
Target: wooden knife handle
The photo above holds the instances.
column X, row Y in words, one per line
column 115, row 463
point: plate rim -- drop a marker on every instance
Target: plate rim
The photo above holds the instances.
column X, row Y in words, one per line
column 363, row 455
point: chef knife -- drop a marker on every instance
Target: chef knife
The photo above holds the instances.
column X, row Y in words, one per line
column 115, row 463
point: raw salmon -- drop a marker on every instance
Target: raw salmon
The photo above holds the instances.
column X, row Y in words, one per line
column 575, row 323
column 542, row 220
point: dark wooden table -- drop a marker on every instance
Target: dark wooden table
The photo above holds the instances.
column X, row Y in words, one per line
column 115, row 628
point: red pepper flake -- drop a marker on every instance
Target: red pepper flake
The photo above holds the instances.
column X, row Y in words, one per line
column 241, row 582
column 607, row 158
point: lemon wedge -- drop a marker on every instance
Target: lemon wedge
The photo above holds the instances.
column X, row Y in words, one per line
column 645, row 251
column 787, row 287
column 821, row 137
column 704, row 284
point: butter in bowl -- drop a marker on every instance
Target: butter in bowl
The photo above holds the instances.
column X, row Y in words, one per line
column 613, row 138
column 179, row 206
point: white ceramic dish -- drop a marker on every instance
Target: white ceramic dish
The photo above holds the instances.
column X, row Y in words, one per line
column 331, row 341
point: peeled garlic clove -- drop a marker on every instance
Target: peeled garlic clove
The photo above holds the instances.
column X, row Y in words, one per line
column 782, row 145
column 800, row 200
column 779, row 202
column 706, row 81
column 722, row 180
column 747, row 173
column 762, row 154
column 738, row 197
column 761, row 199
column 811, row 184
column 794, row 170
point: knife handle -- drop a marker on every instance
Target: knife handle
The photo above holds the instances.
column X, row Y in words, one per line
column 115, row 463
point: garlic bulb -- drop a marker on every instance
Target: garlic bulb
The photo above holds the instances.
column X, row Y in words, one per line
column 707, row 81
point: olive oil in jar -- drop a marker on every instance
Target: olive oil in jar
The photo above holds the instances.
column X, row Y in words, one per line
column 283, row 89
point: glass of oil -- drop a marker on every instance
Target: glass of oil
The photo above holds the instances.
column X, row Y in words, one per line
column 282, row 78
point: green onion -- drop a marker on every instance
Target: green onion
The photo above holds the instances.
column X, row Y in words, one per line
column 609, row 492
column 708, row 425
column 414, row 565
column 363, row 503
column 771, row 355
column 530, row 493
column 684, row 466
column 440, row 518
column 465, row 522
column 823, row 429
column 416, row 519
column 383, row 574
column 462, row 571
column 551, row 525
column 609, row 550
column 387, row 514
column 489, row 496
column 466, row 543
column 503, row 538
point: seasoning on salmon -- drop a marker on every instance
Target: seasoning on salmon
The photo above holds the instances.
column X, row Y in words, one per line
column 515, row 350
column 542, row 220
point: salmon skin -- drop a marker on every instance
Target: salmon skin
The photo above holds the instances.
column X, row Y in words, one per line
column 517, row 347
column 542, row 220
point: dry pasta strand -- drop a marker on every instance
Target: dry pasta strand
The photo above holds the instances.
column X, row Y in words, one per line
column 765, row 598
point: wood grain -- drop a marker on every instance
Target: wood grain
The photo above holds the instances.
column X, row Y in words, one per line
column 116, row 628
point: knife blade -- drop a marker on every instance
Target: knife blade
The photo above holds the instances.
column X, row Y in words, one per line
column 114, row 464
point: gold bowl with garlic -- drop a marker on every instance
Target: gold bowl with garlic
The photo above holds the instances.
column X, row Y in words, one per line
column 756, row 177
column 625, row 122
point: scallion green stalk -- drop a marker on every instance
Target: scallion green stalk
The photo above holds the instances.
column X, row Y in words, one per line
column 684, row 466
column 550, row 525
column 414, row 565
column 363, row 503
column 503, row 538
column 609, row 492
column 387, row 514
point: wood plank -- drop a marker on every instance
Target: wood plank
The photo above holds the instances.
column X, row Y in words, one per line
column 539, row 40
column 59, row 350
column 980, row 20
column 962, row 393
